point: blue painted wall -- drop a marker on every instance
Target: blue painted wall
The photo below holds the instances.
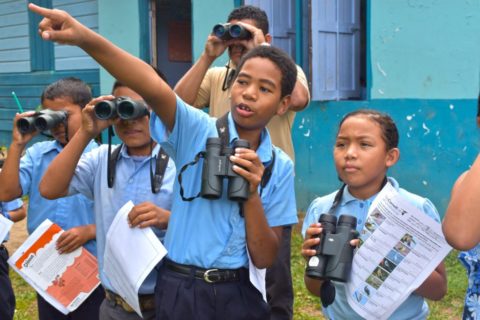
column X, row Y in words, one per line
column 118, row 21
column 427, row 49
column 438, row 141
column 205, row 14
column 423, row 65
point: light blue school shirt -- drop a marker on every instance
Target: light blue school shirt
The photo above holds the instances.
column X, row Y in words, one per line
column 132, row 182
column 5, row 207
column 415, row 307
column 211, row 233
column 67, row 212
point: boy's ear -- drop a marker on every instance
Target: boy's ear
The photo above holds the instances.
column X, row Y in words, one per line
column 268, row 38
column 284, row 105
column 392, row 157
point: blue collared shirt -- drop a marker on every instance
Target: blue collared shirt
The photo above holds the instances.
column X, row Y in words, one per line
column 415, row 307
column 5, row 207
column 132, row 182
column 211, row 233
column 67, row 212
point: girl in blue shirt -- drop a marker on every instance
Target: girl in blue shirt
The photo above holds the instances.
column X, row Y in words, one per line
column 365, row 147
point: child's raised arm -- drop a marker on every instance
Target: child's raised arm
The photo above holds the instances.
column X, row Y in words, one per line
column 461, row 224
column 59, row 26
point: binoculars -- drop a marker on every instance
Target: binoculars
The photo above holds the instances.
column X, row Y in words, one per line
column 123, row 107
column 217, row 166
column 227, row 31
column 41, row 121
column 334, row 254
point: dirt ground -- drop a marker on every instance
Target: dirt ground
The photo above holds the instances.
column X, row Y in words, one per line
column 18, row 234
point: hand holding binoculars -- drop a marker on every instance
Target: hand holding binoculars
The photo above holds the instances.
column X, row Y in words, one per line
column 123, row 107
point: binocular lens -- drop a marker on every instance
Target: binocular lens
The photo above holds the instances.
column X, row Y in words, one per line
column 41, row 123
column 219, row 30
column 126, row 110
column 104, row 110
column 25, row 125
column 236, row 30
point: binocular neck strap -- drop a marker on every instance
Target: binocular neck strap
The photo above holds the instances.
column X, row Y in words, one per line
column 111, row 158
column 156, row 179
column 161, row 164
column 191, row 163
column 227, row 80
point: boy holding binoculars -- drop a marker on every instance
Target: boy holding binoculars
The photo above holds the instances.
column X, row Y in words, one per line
column 204, row 85
column 21, row 176
column 132, row 179
column 212, row 244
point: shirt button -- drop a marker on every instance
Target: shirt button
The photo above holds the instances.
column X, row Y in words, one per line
column 361, row 205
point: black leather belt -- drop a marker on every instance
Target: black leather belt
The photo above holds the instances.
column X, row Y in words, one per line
column 207, row 275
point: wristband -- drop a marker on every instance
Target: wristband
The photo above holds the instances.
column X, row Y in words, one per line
column 265, row 44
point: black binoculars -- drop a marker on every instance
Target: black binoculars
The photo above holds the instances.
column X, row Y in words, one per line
column 227, row 31
column 123, row 107
column 333, row 259
column 41, row 121
column 217, row 165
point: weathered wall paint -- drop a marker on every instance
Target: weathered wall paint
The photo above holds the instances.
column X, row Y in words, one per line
column 438, row 141
column 205, row 14
column 425, row 49
column 120, row 26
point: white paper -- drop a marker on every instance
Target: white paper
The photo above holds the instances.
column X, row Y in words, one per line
column 257, row 277
column 401, row 246
column 130, row 256
column 63, row 280
column 5, row 226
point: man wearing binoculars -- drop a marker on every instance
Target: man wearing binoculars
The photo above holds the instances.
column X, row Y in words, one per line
column 203, row 86
column 62, row 103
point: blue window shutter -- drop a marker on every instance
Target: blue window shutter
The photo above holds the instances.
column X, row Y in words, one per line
column 14, row 37
column 335, row 49
column 281, row 17
column 71, row 57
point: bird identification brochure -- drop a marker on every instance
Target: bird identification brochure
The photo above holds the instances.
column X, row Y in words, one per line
column 400, row 246
column 64, row 280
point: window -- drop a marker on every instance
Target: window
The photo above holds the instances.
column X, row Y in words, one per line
column 336, row 29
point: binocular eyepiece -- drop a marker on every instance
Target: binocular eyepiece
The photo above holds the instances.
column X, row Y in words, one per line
column 41, row 121
column 123, row 107
column 227, row 31
column 334, row 256
column 217, row 166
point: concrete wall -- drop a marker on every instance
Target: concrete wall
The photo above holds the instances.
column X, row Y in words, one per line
column 423, row 65
column 121, row 26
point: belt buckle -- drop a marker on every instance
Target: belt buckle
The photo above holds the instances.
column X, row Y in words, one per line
column 206, row 276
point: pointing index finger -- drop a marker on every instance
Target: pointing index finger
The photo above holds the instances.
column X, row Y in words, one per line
column 47, row 13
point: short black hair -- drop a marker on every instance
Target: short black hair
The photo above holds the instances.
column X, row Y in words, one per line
column 478, row 106
column 287, row 67
column 251, row 12
column 117, row 83
column 75, row 89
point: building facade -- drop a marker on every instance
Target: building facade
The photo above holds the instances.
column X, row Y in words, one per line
column 418, row 60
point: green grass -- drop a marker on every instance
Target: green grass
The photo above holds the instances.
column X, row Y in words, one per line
column 307, row 307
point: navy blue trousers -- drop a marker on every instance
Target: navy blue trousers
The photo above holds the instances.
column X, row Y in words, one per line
column 279, row 281
column 180, row 297
column 7, row 298
column 89, row 309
